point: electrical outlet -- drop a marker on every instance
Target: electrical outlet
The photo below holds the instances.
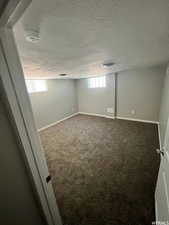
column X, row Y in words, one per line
column 133, row 112
column 110, row 110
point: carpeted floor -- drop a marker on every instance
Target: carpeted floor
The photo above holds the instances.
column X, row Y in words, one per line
column 103, row 171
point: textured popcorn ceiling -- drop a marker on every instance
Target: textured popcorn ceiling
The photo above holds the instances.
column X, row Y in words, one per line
column 77, row 36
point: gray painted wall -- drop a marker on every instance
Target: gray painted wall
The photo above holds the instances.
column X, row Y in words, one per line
column 140, row 90
column 96, row 100
column 57, row 103
column 164, row 111
column 17, row 204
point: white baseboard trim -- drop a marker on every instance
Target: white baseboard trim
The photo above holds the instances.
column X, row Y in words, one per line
column 137, row 120
column 105, row 116
column 100, row 115
column 52, row 124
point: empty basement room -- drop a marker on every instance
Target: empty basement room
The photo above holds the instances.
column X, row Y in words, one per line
column 97, row 79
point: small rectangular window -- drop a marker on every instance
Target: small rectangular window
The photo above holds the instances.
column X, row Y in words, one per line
column 97, row 82
column 36, row 86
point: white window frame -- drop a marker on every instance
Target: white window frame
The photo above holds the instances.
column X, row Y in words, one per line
column 17, row 99
column 35, row 86
column 97, row 82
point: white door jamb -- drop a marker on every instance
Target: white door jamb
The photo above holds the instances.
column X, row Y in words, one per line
column 14, row 89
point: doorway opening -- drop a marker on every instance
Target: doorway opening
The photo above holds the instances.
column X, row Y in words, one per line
column 98, row 164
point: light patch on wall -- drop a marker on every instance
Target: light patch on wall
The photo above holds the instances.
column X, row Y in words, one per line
column 36, row 86
column 97, row 82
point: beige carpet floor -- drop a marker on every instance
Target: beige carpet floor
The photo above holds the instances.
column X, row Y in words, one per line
column 103, row 171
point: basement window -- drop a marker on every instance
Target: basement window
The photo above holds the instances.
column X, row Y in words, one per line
column 36, row 86
column 97, row 82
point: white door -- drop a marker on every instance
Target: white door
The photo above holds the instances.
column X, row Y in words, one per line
column 162, row 188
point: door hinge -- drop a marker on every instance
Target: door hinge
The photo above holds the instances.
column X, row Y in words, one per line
column 48, row 178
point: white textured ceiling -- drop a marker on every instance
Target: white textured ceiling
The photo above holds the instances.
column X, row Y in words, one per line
column 77, row 36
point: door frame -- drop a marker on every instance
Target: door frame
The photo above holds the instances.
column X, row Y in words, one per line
column 18, row 104
column 164, row 156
